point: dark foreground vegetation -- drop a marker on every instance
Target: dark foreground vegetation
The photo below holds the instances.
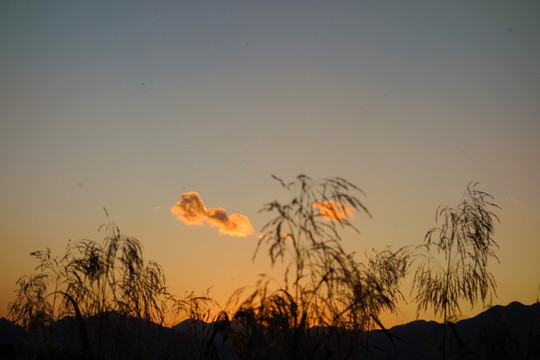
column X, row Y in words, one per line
column 104, row 300
column 510, row 332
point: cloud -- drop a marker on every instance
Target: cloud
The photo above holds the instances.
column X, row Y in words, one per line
column 331, row 210
column 191, row 210
column 512, row 200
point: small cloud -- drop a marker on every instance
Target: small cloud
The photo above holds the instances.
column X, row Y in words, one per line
column 512, row 200
column 156, row 207
column 331, row 210
column 190, row 209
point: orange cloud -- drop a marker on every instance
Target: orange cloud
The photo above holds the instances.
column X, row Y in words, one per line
column 191, row 210
column 512, row 200
column 331, row 210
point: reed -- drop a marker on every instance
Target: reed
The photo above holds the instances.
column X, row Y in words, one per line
column 454, row 258
column 327, row 300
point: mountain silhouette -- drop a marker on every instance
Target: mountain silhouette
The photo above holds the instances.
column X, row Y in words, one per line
column 501, row 332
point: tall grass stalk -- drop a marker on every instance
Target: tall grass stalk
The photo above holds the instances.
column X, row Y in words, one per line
column 455, row 256
column 327, row 299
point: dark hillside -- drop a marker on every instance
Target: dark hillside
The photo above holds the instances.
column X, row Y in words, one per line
column 501, row 332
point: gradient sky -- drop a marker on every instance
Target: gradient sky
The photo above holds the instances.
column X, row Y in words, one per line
column 128, row 104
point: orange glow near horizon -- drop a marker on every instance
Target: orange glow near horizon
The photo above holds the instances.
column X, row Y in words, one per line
column 190, row 209
column 331, row 210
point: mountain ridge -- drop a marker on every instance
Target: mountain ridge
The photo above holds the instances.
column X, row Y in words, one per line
column 511, row 331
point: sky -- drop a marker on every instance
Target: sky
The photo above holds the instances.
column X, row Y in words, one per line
column 128, row 105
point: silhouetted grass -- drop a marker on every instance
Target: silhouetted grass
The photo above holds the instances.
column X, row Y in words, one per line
column 458, row 270
column 322, row 308
column 327, row 299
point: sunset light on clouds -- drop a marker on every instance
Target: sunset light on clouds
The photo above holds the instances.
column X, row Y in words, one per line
column 191, row 210
column 331, row 210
